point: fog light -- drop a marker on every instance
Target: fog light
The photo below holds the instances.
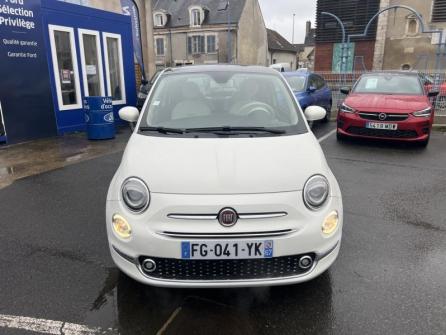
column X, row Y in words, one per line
column 121, row 226
column 149, row 265
column 330, row 223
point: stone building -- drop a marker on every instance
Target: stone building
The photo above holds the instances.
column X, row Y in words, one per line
column 146, row 27
column 208, row 32
column 400, row 43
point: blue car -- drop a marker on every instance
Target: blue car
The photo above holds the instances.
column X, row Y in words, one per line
column 310, row 89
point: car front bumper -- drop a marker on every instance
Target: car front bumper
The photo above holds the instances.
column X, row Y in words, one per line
column 413, row 129
column 303, row 235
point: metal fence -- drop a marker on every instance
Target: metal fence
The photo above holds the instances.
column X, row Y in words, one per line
column 435, row 80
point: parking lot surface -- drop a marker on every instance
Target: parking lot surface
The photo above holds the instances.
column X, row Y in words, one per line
column 390, row 278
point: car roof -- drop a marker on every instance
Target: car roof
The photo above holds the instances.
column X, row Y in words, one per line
column 297, row 73
column 221, row 68
column 394, row 72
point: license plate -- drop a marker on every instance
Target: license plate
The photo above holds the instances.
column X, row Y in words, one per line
column 378, row 125
column 226, row 249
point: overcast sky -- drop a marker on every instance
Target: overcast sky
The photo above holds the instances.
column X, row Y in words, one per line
column 278, row 15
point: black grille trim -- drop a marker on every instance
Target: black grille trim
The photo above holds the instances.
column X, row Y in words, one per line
column 390, row 117
column 226, row 269
column 382, row 132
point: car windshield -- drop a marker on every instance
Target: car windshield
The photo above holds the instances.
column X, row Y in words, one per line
column 297, row 83
column 217, row 99
column 389, row 84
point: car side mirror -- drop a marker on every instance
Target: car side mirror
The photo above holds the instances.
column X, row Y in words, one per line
column 433, row 93
column 314, row 113
column 129, row 114
column 311, row 89
column 345, row 90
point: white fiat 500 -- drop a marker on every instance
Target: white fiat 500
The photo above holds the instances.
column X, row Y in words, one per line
column 223, row 184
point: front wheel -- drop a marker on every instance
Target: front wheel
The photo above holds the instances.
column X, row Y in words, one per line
column 327, row 115
column 339, row 136
column 424, row 144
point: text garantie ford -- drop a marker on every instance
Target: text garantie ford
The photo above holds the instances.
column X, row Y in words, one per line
column 222, row 184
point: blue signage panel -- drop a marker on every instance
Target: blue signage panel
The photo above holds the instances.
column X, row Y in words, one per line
column 129, row 8
column 25, row 93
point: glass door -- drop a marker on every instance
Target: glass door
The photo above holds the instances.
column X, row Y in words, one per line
column 114, row 68
column 91, row 62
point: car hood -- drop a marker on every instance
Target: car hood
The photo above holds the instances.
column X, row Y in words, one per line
column 223, row 165
column 383, row 102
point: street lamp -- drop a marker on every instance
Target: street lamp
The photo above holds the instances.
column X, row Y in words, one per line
column 294, row 16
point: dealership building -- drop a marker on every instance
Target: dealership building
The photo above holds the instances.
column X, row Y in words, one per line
column 54, row 53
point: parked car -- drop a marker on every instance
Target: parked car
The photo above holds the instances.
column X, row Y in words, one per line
column 281, row 67
column 429, row 85
column 144, row 90
column 222, row 187
column 310, row 89
column 389, row 106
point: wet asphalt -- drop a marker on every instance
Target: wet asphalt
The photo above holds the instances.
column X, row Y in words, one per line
column 390, row 277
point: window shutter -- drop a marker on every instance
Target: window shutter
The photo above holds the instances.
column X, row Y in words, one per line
column 189, row 45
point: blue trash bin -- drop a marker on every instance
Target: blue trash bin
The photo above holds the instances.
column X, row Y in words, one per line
column 99, row 118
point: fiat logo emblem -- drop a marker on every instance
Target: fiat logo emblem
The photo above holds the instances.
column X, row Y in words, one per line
column 382, row 116
column 227, row 217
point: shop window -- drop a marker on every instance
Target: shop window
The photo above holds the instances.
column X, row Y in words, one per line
column 159, row 46
column 66, row 73
column 211, row 44
column 91, row 62
column 114, row 68
column 196, row 44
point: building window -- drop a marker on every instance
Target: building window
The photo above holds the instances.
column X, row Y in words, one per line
column 196, row 44
column 66, row 73
column 406, row 67
column 196, row 16
column 439, row 11
column 412, row 26
column 159, row 46
column 211, row 44
column 91, row 62
column 114, row 68
column 159, row 19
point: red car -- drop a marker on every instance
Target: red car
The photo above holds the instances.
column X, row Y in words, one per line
column 389, row 106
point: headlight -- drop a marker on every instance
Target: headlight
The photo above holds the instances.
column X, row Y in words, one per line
column 121, row 226
column 423, row 113
column 135, row 194
column 330, row 223
column 316, row 191
column 347, row 109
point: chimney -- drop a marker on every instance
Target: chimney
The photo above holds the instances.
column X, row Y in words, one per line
column 308, row 27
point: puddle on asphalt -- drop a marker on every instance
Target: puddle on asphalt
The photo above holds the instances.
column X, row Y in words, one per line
column 132, row 308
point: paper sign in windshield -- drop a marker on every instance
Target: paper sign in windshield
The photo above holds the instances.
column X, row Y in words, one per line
column 371, row 83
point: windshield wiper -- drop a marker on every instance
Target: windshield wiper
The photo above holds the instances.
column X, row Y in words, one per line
column 234, row 129
column 163, row 130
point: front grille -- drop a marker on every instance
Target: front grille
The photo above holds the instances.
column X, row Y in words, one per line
column 226, row 269
column 382, row 132
column 389, row 117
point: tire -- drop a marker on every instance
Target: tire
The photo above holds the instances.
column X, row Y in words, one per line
column 340, row 137
column 328, row 115
column 424, row 144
